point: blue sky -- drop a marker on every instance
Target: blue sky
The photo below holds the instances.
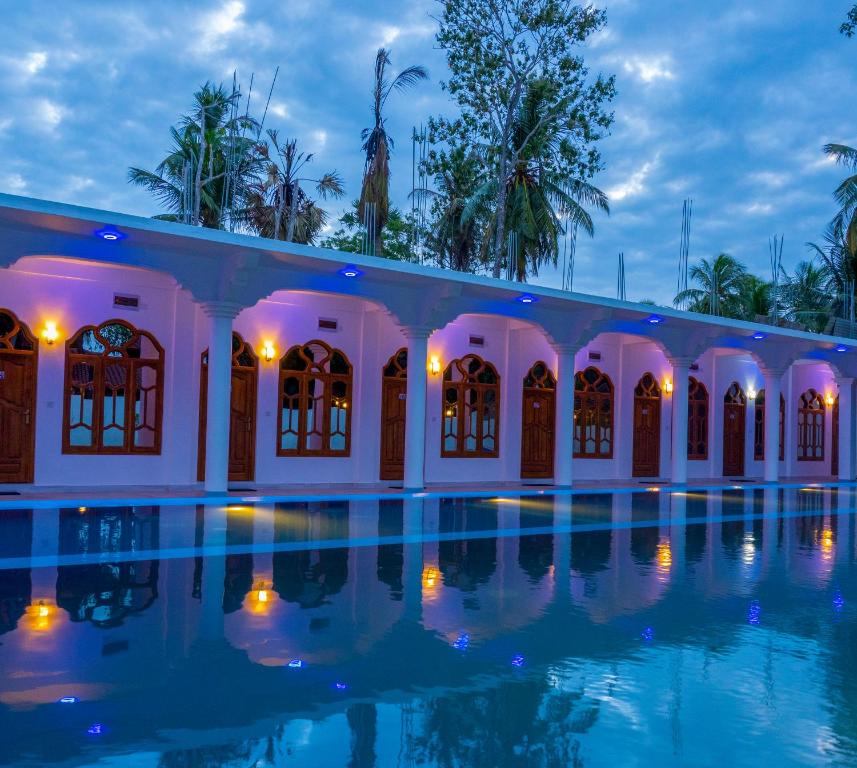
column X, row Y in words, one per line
column 728, row 103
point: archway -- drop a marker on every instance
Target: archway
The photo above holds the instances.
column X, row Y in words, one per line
column 18, row 364
column 394, row 387
column 538, row 422
column 734, row 432
column 646, row 455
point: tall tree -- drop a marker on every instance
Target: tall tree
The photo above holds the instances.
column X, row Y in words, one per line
column 849, row 26
column 838, row 267
column 377, row 144
column 214, row 158
column 277, row 206
column 495, row 50
column 806, row 296
column 395, row 239
column 719, row 287
column 846, row 193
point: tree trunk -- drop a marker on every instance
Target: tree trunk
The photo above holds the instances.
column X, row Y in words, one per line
column 197, row 184
column 293, row 212
column 500, row 232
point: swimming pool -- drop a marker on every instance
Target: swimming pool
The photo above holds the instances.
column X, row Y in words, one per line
column 670, row 628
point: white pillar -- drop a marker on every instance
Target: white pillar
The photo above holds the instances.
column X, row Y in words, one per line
column 773, row 390
column 564, row 446
column 219, row 386
column 415, row 408
column 681, row 372
column 846, row 428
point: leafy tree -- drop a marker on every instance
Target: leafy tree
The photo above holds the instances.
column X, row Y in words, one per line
column 850, row 24
column 720, row 287
column 756, row 298
column 806, row 298
column 396, row 237
column 846, row 193
column 839, row 267
column 377, row 144
column 276, row 204
column 213, row 160
column 495, row 50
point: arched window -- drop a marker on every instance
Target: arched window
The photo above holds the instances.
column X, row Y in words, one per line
column 14, row 335
column 471, row 407
column 697, row 420
column 315, row 402
column 114, row 381
column 593, row 415
column 759, row 427
column 810, row 427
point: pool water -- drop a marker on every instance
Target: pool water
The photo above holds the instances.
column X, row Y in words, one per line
column 594, row 629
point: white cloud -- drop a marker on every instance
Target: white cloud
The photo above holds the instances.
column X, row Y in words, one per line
column 758, row 209
column 35, row 61
column 48, row 113
column 13, row 182
column 279, row 109
column 320, row 138
column 770, row 179
column 217, row 26
column 649, row 69
column 635, row 184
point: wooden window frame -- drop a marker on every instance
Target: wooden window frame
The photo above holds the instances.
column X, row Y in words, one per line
column 810, row 405
column 759, row 427
column 696, row 424
column 584, row 388
column 315, row 370
column 113, row 356
column 469, row 381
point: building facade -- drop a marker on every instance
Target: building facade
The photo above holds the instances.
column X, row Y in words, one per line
column 136, row 352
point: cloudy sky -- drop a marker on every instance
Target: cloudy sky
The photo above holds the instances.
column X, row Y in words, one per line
column 728, row 103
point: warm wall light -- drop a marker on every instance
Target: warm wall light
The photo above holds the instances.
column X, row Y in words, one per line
column 668, row 385
column 50, row 334
column 434, row 365
column 829, row 399
column 751, row 393
column 268, row 351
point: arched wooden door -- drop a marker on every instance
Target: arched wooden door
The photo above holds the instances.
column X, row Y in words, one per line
column 394, row 390
column 834, row 438
column 646, row 458
column 734, row 433
column 18, row 362
column 242, row 412
column 537, row 422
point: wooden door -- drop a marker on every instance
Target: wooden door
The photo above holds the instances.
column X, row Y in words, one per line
column 242, row 412
column 834, row 447
column 18, row 361
column 538, row 422
column 646, row 452
column 734, row 433
column 394, row 390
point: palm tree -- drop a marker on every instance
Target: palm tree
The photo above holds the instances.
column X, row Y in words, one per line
column 839, row 266
column 211, row 163
column 846, row 193
column 277, row 206
column 806, row 297
column 374, row 195
column 756, row 298
column 720, row 286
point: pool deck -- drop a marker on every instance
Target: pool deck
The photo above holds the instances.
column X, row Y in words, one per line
column 12, row 497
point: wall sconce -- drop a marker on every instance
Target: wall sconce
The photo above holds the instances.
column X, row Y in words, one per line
column 434, row 365
column 268, row 351
column 751, row 393
column 50, row 334
column 829, row 399
column 668, row 385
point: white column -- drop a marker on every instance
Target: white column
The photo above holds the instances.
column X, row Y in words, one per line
column 219, row 386
column 773, row 389
column 846, row 428
column 415, row 408
column 681, row 372
column 564, row 445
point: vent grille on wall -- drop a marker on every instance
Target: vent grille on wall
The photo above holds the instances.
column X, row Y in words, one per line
column 126, row 301
column 477, row 341
column 327, row 324
column 594, row 355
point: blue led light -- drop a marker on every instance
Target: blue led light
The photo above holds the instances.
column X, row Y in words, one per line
column 654, row 319
column 349, row 270
column 96, row 729
column 518, row 660
column 838, row 600
column 296, row 663
column 758, row 336
column 526, row 298
column 754, row 614
column 840, row 348
column 340, row 686
column 462, row 642
column 648, row 634
column 110, row 235
column 69, row 700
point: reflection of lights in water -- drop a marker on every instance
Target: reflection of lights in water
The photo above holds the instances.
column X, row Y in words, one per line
column 82, row 510
column 96, row 729
column 838, row 600
column 502, row 500
column 340, row 686
column 462, row 642
column 517, row 660
column 754, row 614
column 69, row 700
column 664, row 556
column 827, row 544
column 653, row 489
column 260, row 597
column 810, row 490
column 40, row 615
column 748, row 550
column 238, row 508
column 296, row 663
column 430, row 576
column 648, row 634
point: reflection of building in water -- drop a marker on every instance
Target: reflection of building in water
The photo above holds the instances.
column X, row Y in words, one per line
column 535, row 551
column 106, row 593
column 239, row 567
column 391, row 557
column 15, row 583
column 467, row 563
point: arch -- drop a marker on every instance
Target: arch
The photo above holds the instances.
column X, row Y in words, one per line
column 538, row 409
column 593, row 414
column 810, row 426
column 114, row 382
column 394, row 387
column 242, row 411
column 759, row 427
column 471, row 409
column 697, row 420
column 19, row 350
column 734, row 430
column 646, row 452
column 314, row 417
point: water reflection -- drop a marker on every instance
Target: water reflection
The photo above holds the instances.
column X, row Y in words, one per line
column 540, row 631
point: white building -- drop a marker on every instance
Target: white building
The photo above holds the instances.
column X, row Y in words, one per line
column 138, row 352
